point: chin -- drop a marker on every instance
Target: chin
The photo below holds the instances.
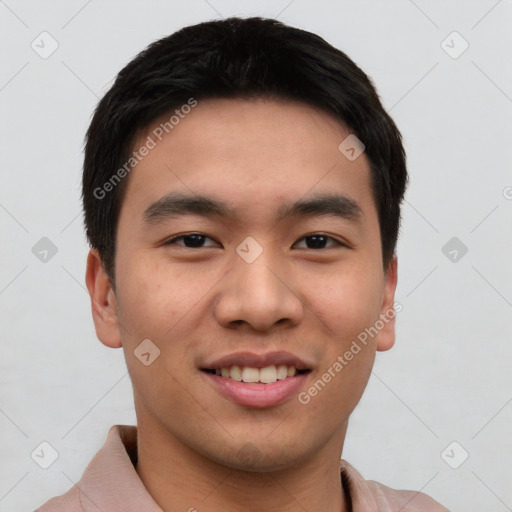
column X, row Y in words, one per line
column 261, row 456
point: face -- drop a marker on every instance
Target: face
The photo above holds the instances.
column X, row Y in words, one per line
column 248, row 249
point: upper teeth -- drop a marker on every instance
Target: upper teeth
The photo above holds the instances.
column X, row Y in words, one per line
column 266, row 375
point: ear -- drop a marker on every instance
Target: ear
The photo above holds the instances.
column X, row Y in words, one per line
column 386, row 336
column 103, row 302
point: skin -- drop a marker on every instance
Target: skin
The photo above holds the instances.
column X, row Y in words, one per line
column 198, row 304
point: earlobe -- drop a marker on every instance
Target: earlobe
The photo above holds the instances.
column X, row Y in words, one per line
column 103, row 301
column 386, row 337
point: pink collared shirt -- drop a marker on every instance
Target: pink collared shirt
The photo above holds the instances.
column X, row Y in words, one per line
column 111, row 484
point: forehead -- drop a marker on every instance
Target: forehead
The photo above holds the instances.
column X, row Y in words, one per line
column 252, row 154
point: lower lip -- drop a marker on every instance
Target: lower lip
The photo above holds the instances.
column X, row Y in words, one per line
column 257, row 395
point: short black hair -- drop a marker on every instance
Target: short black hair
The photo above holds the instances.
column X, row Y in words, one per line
column 234, row 58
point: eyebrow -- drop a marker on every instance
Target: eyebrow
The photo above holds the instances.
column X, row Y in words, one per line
column 178, row 204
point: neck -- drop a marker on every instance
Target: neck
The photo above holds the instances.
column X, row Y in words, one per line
column 180, row 479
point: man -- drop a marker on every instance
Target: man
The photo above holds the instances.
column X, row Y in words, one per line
column 242, row 187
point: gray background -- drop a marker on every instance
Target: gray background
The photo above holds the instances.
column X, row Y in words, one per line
column 447, row 379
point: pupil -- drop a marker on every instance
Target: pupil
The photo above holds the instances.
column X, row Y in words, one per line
column 196, row 240
column 318, row 241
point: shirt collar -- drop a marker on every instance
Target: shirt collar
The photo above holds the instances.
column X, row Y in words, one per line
column 110, row 481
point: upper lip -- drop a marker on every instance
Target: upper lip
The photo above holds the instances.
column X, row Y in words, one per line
column 257, row 360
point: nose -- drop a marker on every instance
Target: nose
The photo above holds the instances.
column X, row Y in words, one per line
column 260, row 294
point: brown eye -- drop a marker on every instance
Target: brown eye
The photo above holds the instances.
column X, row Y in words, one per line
column 192, row 240
column 319, row 241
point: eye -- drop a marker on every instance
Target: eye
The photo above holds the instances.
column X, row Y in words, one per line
column 192, row 240
column 318, row 241
column 196, row 240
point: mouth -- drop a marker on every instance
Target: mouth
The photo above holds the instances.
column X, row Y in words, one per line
column 254, row 375
column 257, row 380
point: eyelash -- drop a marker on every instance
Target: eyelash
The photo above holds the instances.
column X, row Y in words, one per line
column 172, row 240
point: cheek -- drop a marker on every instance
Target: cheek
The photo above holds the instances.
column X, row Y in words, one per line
column 156, row 305
column 153, row 308
column 349, row 305
column 349, row 300
column 152, row 301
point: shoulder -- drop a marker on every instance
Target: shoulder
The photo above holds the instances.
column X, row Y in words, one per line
column 371, row 496
column 405, row 501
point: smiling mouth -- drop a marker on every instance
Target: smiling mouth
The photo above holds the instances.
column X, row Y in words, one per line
column 252, row 375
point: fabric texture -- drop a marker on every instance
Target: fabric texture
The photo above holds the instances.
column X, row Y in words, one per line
column 111, row 484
